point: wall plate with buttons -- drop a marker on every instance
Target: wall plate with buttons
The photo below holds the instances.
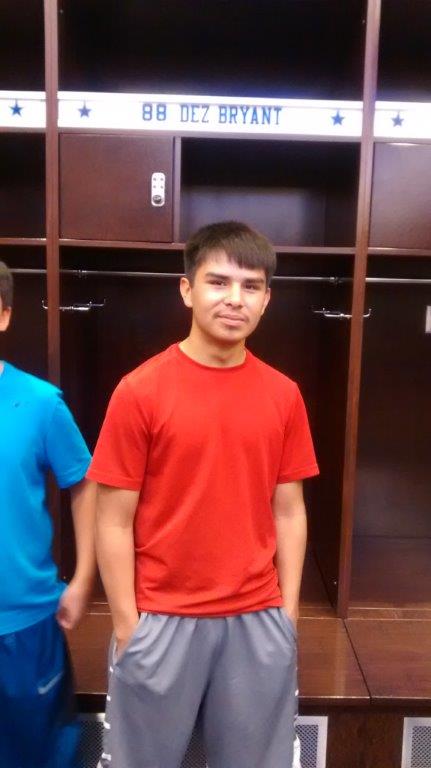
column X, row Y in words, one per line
column 158, row 183
column 428, row 320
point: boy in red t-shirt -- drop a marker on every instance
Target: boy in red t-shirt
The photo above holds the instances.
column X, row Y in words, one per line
column 201, row 528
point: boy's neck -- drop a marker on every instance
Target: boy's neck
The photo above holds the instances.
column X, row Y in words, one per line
column 210, row 353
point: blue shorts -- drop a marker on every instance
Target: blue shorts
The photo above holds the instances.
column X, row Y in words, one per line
column 38, row 728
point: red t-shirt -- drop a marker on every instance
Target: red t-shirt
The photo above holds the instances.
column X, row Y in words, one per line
column 205, row 446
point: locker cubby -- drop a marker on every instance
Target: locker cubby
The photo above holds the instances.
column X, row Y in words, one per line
column 392, row 532
column 405, row 56
column 22, row 185
column 313, row 350
column 297, row 193
column 22, row 52
column 310, row 49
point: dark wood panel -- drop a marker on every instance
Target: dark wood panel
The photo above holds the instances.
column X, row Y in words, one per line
column 278, row 214
column 395, row 658
column 362, row 737
column 374, row 612
column 391, row 573
column 106, row 187
column 365, row 737
column 179, row 246
column 89, row 645
column 22, row 241
column 401, row 196
column 133, row 245
column 314, row 600
column 369, row 740
column 410, row 253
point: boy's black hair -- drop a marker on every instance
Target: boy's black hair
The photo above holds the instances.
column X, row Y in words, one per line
column 6, row 286
column 242, row 244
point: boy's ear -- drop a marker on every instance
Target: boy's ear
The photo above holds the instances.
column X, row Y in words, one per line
column 186, row 291
column 5, row 316
column 267, row 298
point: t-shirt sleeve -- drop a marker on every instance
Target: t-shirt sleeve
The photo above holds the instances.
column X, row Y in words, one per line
column 67, row 454
column 298, row 459
column 120, row 455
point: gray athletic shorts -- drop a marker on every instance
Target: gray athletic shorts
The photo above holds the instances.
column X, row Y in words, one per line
column 233, row 677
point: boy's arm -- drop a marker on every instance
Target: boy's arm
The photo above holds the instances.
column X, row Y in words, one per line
column 74, row 599
column 291, row 537
column 116, row 557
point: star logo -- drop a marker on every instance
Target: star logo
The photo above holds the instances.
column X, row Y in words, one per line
column 16, row 109
column 84, row 110
column 397, row 120
column 337, row 119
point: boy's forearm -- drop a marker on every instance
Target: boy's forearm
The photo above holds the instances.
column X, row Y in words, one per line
column 83, row 505
column 291, row 534
column 116, row 556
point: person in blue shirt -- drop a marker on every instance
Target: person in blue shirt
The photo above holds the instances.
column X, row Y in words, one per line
column 38, row 435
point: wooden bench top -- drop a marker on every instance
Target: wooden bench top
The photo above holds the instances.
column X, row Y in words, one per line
column 328, row 670
column 395, row 658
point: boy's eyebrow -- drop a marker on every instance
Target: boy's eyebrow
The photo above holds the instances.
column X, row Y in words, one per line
column 220, row 276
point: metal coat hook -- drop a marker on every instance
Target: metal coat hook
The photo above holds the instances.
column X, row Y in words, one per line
column 77, row 307
column 335, row 314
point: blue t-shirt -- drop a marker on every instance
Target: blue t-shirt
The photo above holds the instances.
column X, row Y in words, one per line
column 37, row 434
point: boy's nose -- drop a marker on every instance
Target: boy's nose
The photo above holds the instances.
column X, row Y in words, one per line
column 234, row 294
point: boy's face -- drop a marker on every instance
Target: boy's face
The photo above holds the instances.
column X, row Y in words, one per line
column 227, row 300
column 4, row 316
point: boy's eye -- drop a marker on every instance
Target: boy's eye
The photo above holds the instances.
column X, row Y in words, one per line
column 215, row 281
column 251, row 287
